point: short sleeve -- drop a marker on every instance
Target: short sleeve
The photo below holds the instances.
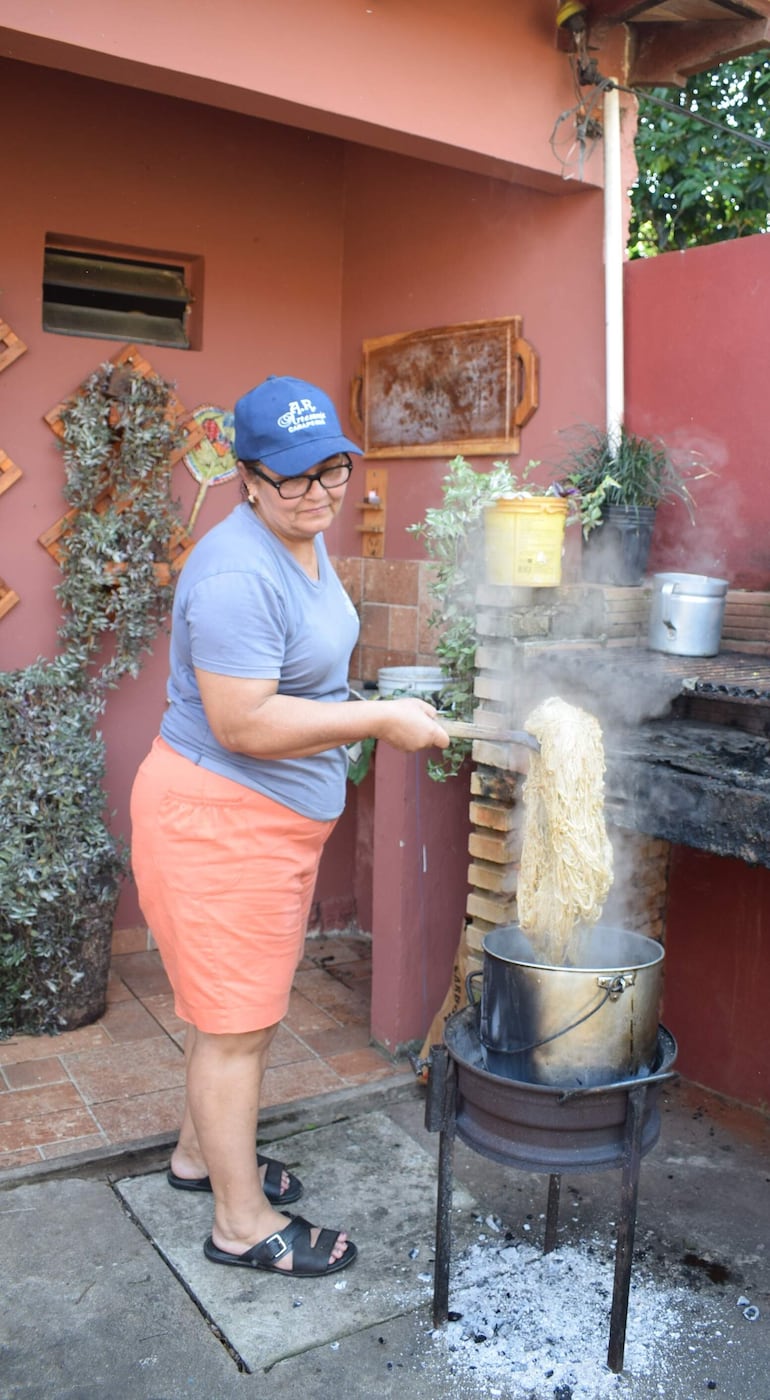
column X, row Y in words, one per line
column 237, row 626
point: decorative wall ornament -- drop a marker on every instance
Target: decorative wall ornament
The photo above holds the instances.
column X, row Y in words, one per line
column 10, row 346
column 212, row 459
column 467, row 388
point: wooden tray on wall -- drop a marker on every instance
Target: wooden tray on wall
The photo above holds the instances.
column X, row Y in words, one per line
column 434, row 393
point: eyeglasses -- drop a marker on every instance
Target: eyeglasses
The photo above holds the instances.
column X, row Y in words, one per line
column 291, row 488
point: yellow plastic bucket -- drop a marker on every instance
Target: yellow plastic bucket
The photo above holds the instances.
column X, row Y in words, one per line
column 523, row 541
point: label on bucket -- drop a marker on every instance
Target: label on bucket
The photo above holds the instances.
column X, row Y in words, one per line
column 524, row 542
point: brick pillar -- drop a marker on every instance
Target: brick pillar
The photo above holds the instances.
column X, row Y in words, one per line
column 512, row 624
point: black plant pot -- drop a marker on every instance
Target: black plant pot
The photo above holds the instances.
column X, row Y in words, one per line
column 85, row 1001
column 617, row 550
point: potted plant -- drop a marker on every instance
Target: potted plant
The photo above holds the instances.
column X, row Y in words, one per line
column 454, row 539
column 620, row 479
column 60, row 865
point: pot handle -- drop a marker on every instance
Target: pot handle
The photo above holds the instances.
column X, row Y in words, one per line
column 469, row 986
column 636, row 1083
column 665, row 595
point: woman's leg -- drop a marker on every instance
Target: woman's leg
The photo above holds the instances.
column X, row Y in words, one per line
column 224, row 1075
column 187, row 1159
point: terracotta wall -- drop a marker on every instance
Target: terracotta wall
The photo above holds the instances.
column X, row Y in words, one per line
column 309, row 246
column 718, row 973
column 394, row 604
column 697, row 354
column 478, row 88
column 91, row 159
column 426, row 246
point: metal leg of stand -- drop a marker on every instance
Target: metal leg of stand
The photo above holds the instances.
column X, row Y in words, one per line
column 629, row 1195
column 552, row 1213
column 447, row 1086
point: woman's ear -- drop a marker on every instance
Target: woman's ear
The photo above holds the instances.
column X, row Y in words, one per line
column 247, row 481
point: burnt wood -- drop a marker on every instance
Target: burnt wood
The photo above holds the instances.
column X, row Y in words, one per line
column 693, row 784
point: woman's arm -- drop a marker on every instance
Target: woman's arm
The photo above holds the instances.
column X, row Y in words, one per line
column 250, row 717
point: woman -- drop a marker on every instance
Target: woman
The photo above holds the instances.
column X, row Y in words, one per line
column 231, row 808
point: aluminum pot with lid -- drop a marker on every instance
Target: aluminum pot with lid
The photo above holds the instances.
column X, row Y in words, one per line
column 686, row 614
column 592, row 1022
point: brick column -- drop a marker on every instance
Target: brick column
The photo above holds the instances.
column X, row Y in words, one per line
column 512, row 626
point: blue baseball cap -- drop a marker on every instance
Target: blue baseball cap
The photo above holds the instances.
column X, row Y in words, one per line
column 289, row 426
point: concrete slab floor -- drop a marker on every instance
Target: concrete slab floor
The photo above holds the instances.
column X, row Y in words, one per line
column 377, row 1184
column 90, row 1308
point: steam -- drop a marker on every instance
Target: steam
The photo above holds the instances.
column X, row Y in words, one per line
column 526, row 657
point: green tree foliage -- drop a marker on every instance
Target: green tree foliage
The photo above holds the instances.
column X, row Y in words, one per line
column 699, row 183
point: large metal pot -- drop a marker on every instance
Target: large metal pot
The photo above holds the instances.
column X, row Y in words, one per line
column 594, row 1022
column 686, row 614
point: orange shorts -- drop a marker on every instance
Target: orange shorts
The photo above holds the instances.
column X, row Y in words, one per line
column 225, row 878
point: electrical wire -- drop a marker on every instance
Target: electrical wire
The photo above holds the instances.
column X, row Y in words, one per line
column 588, row 126
column 643, row 96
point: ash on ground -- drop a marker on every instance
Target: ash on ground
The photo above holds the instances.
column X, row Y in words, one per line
column 534, row 1326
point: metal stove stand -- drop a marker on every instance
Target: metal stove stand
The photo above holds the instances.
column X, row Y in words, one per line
column 441, row 1117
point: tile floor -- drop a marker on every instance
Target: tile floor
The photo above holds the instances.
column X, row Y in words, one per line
column 121, row 1079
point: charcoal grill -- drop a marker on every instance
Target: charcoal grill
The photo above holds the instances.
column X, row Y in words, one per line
column 542, row 1128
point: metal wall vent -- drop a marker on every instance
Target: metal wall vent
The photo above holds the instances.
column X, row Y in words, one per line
column 113, row 296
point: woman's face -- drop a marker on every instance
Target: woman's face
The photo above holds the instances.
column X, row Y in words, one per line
column 302, row 517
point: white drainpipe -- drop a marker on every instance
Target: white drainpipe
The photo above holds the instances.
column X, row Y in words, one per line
column 613, row 266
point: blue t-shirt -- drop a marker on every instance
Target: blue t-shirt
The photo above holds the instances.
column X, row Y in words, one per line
column 244, row 607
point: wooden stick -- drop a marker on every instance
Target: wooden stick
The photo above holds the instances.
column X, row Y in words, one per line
column 460, row 729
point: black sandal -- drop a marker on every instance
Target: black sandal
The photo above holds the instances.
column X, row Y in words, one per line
column 271, row 1184
column 310, row 1261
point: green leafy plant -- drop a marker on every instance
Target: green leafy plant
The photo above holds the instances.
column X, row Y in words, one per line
column 702, row 157
column 117, row 583
column 452, row 534
column 60, row 865
column 605, row 468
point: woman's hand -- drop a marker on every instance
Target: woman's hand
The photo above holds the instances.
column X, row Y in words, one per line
column 410, row 724
column 249, row 716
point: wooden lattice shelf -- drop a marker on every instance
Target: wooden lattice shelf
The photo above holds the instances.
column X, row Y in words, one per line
column 177, row 550
column 9, row 472
column 131, row 358
column 10, row 346
column 180, row 542
column 8, row 599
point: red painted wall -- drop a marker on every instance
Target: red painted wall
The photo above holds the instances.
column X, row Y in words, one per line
column 717, row 974
column 478, row 87
column 426, row 246
column 261, row 204
column 420, row 888
column 309, row 246
column 698, row 351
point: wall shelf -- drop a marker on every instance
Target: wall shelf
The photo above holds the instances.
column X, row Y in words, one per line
column 373, row 510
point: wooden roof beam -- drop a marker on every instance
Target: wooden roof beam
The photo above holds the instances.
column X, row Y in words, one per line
column 666, row 55
column 626, row 11
column 617, row 11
